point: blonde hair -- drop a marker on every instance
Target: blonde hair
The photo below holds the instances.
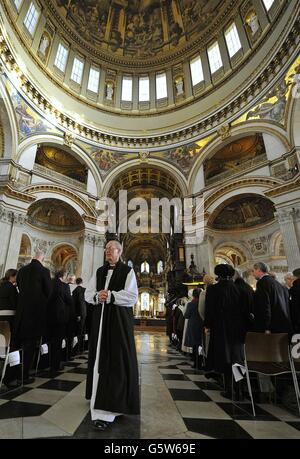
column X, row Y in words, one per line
column 208, row 279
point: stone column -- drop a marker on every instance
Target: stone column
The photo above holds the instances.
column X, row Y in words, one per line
column 289, row 221
column 205, row 255
column 91, row 254
column 13, row 244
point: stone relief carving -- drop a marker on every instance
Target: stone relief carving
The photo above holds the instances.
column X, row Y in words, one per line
column 259, row 245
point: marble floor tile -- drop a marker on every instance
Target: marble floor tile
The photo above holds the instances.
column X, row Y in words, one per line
column 71, row 377
column 38, row 427
column 279, row 412
column 216, row 396
column 189, row 395
column 14, row 409
column 269, row 429
column 11, row 429
column 200, row 378
column 41, row 396
column 201, row 410
column 170, row 371
column 220, row 429
column 180, row 384
column 59, row 384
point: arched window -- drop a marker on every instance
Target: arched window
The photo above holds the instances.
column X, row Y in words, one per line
column 145, row 301
column 145, row 267
column 160, row 267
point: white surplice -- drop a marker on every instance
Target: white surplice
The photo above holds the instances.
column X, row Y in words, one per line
column 124, row 298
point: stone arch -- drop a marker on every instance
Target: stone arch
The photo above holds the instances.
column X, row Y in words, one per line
column 8, row 126
column 245, row 129
column 43, row 191
column 62, row 254
column 162, row 165
column 27, row 151
column 237, row 248
column 293, row 121
column 277, row 245
column 25, row 253
column 249, row 185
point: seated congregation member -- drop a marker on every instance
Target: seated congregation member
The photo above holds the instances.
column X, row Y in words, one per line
column 112, row 379
column 8, row 297
column 271, row 303
column 80, row 309
column 34, row 284
column 193, row 337
column 58, row 311
column 225, row 323
column 295, row 301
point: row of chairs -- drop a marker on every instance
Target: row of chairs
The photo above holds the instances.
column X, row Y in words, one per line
column 5, row 341
column 272, row 355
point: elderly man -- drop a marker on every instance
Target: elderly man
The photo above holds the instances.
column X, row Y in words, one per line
column 112, row 380
column 271, row 303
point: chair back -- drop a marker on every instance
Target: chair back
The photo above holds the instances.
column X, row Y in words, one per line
column 5, row 334
column 260, row 347
column 295, row 348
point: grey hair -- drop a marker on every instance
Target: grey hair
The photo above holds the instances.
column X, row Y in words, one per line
column 117, row 244
column 39, row 253
column 289, row 276
column 262, row 266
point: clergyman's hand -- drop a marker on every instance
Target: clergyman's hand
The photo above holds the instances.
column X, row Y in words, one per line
column 102, row 295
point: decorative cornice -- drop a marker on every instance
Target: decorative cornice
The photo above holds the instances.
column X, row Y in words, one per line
column 58, row 190
column 287, row 187
column 7, row 190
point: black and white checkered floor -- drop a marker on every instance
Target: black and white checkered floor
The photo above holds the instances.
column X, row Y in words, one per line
column 177, row 402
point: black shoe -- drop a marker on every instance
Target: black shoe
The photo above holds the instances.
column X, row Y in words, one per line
column 101, row 425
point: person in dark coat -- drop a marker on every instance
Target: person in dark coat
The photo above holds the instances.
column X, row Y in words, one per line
column 193, row 336
column 271, row 303
column 112, row 379
column 58, row 311
column 225, row 323
column 8, row 297
column 34, row 284
column 72, row 322
column 80, row 306
column 294, row 294
column 247, row 299
column 8, row 306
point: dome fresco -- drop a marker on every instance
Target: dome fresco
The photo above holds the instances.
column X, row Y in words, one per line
column 140, row 28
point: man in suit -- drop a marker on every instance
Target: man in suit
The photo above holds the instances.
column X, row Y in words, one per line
column 112, row 379
column 34, row 284
column 271, row 303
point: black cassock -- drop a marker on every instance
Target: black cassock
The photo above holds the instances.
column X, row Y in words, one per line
column 118, row 387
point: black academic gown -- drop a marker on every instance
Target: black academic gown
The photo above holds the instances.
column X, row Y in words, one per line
column 34, row 284
column 225, row 319
column 295, row 305
column 118, row 387
column 271, row 306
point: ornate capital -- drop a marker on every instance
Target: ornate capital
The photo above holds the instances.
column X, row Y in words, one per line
column 285, row 216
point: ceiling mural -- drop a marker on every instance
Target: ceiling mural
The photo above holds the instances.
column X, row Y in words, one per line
column 274, row 105
column 182, row 157
column 139, row 28
column 54, row 215
column 244, row 212
column 232, row 157
column 62, row 162
column 28, row 120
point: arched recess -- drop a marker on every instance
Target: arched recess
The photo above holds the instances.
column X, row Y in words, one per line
column 269, row 130
column 8, row 124
column 234, row 253
column 242, row 211
column 27, row 152
column 136, row 163
column 249, row 185
column 42, row 191
column 65, row 255
column 25, row 251
column 277, row 245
